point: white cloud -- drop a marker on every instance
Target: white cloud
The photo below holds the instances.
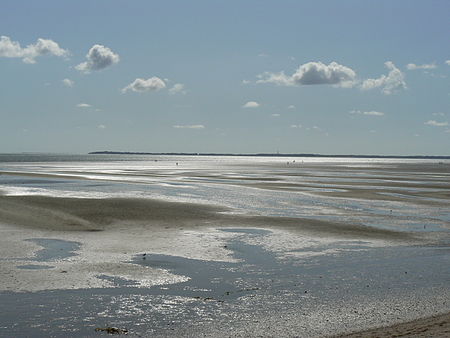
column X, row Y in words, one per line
column 279, row 79
column 291, row 106
column 276, row 115
column 390, row 83
column 370, row 113
column 68, row 82
column 313, row 73
column 189, row 126
column 245, row 82
column 101, row 126
column 251, row 104
column 177, row 88
column 412, row 66
column 438, row 114
column 295, row 126
column 434, row 123
column 98, row 57
column 83, row 105
column 12, row 49
column 447, row 62
column 141, row 85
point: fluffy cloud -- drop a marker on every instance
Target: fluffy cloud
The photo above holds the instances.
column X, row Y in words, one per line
column 251, row 104
column 83, row 105
column 370, row 113
column 390, row 83
column 313, row 73
column 12, row 49
column 68, row 82
column 447, row 62
column 189, row 126
column 141, row 85
column 99, row 57
column 177, row 88
column 434, row 123
column 101, row 126
column 412, row 66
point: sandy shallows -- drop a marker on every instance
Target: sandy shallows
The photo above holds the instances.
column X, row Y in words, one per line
column 110, row 231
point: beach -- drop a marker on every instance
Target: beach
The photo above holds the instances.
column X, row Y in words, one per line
column 224, row 246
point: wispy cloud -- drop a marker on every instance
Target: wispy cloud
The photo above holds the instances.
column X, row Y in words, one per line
column 28, row 54
column 178, row 88
column 291, row 107
column 369, row 113
column 447, row 62
column 434, row 123
column 101, row 126
column 83, row 105
column 295, row 126
column 141, row 85
column 189, row 126
column 68, row 82
column 275, row 115
column 394, row 81
column 413, row 66
column 99, row 57
column 251, row 104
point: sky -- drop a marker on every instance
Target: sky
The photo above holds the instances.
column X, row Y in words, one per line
column 329, row 77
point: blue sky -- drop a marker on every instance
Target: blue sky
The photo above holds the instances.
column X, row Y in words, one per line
column 334, row 77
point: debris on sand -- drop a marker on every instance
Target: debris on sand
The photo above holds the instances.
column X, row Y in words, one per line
column 112, row 330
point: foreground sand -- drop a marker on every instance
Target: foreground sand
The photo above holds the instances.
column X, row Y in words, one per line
column 436, row 326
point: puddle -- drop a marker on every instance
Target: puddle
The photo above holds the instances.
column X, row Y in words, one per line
column 35, row 267
column 54, row 249
column 251, row 231
column 221, row 281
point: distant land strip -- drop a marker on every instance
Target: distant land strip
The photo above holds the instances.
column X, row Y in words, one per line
column 272, row 155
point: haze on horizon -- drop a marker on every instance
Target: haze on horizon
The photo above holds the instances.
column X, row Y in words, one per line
column 332, row 77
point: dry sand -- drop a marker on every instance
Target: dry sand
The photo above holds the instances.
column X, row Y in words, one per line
column 436, row 326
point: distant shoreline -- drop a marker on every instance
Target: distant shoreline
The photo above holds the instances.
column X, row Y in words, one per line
column 272, row 155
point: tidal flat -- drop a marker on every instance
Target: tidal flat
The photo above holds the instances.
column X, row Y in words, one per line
column 221, row 246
